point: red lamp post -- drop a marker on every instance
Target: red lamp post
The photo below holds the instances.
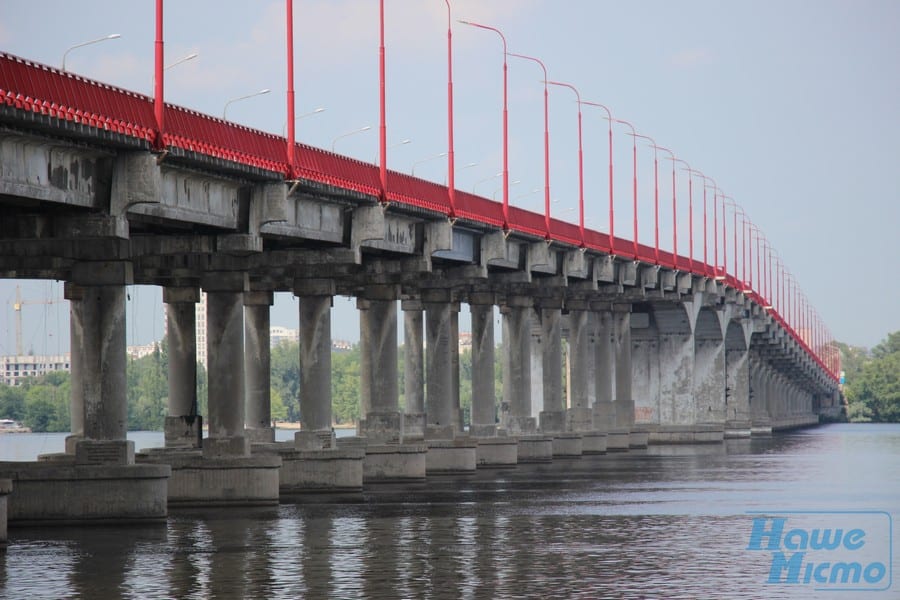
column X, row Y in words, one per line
column 580, row 160
column 159, row 109
column 290, row 91
column 546, row 139
column 655, row 196
column 451, row 185
column 738, row 209
column 674, row 207
column 691, row 173
column 634, row 212
column 612, row 221
column 382, row 127
column 505, row 122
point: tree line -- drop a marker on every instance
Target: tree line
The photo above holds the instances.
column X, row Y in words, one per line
column 872, row 381
column 42, row 403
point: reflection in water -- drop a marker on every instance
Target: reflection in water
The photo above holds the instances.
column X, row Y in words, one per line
column 669, row 523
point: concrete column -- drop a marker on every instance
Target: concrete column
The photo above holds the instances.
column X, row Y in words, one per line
column 378, row 368
column 536, row 365
column 74, row 294
column 737, row 366
column 438, row 367
column 103, row 380
column 183, row 426
column 484, row 401
column 315, row 299
column 604, row 371
column 458, row 424
column 103, row 353
column 580, row 415
column 414, row 357
column 225, row 364
column 709, row 381
column 257, row 367
column 624, row 403
column 551, row 335
column 516, row 362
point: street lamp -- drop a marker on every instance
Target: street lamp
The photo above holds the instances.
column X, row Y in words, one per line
column 612, row 222
column 580, row 160
column 303, row 116
column 736, row 208
column 634, row 212
column 259, row 93
column 655, row 195
column 546, row 139
column 451, row 168
column 349, row 133
column 112, row 36
column 426, row 159
column 674, row 207
column 511, row 184
column 505, row 123
column 183, row 59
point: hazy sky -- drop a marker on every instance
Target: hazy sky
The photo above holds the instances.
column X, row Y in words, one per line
column 791, row 106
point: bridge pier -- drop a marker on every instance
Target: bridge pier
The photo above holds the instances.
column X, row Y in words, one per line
column 619, row 436
column 414, row 369
column 183, row 424
column 74, row 295
column 257, row 367
column 738, row 420
column 388, row 458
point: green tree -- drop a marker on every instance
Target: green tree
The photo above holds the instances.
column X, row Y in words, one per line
column 46, row 406
column 12, row 402
column 873, row 382
column 345, row 386
column 285, row 377
column 148, row 390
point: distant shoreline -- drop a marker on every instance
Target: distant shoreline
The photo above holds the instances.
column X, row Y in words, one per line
column 296, row 425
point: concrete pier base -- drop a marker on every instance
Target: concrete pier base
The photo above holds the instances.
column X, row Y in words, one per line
column 54, row 493
column 458, row 455
column 593, row 442
column 737, row 429
column 535, row 448
column 760, row 430
column 618, row 439
column 204, row 481
column 566, row 445
column 497, row 452
column 5, row 489
column 688, row 434
column 639, row 436
column 389, row 462
column 316, row 471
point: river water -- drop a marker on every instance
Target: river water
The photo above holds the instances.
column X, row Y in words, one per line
column 669, row 522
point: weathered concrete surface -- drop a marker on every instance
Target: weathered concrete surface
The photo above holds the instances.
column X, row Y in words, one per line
column 394, row 462
column 315, row 356
column 594, row 442
column 183, row 425
column 202, row 481
column 50, row 493
column 458, row 455
column 323, row 470
column 484, row 402
column 5, row 489
column 257, row 368
column 566, row 444
column 535, row 448
column 497, row 452
column 515, row 413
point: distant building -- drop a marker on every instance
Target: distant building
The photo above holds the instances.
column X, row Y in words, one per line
column 341, row 346
column 141, row 351
column 282, row 335
column 465, row 342
column 14, row 369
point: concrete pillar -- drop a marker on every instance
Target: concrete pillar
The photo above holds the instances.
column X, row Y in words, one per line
column 225, row 364
column 315, row 299
column 551, row 336
column 103, row 353
column 604, row 371
column 438, row 364
column 378, row 367
column 74, row 295
column 516, row 366
column 183, row 426
column 458, row 416
column 709, row 381
column 257, row 367
column 580, row 415
column 414, row 357
column 624, row 403
column 484, row 401
column 737, row 366
column 536, row 365
column 103, row 380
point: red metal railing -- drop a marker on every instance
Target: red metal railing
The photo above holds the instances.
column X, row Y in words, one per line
column 39, row 89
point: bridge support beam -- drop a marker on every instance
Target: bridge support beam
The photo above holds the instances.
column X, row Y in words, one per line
column 624, row 402
column 183, row 425
column 440, row 422
column 74, row 295
column 224, row 338
column 315, row 298
column 257, row 367
column 737, row 420
column 516, row 409
column 760, row 422
column 554, row 416
column 484, row 401
column 378, row 367
column 414, row 369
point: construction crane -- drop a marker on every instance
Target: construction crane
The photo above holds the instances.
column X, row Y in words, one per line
column 17, row 309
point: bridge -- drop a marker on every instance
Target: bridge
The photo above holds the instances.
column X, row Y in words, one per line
column 102, row 187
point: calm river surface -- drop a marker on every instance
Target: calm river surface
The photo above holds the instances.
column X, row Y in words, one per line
column 670, row 522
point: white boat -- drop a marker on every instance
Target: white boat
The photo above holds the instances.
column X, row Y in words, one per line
column 11, row 426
